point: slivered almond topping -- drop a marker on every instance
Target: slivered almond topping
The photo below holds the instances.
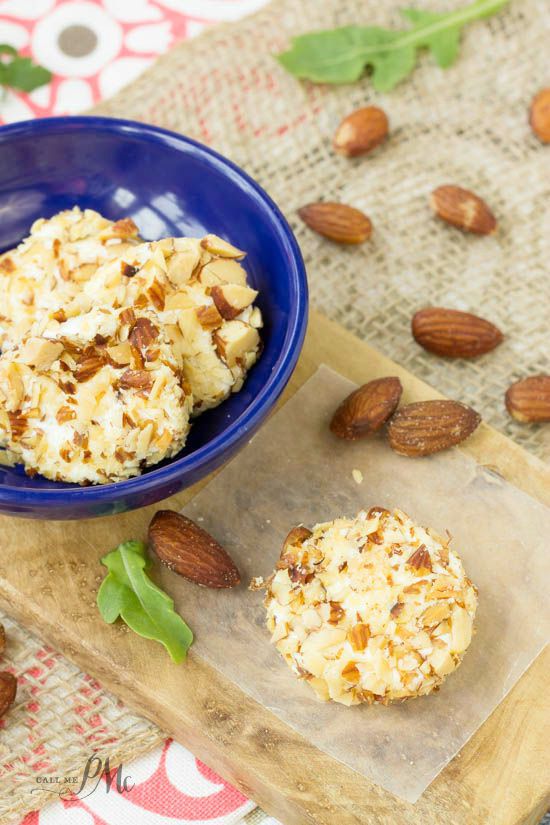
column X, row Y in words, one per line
column 127, row 316
column 217, row 246
column 124, row 228
column 128, row 270
column 65, row 414
column 337, row 612
column 209, row 317
column 351, row 673
column 358, row 636
column 143, row 333
column 18, row 424
column 157, row 293
column 297, row 536
column 420, row 559
column 88, row 367
column 436, row 613
column 7, row 266
column 136, row 379
column 121, row 354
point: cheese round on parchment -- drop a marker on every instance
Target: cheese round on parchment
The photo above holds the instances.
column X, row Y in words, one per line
column 370, row 609
column 93, row 399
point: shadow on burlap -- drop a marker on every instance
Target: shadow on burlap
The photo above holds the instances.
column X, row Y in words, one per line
column 467, row 125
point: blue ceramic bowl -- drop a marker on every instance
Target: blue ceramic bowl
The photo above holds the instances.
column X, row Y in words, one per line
column 169, row 185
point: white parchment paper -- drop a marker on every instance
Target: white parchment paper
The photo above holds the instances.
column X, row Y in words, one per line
column 295, row 471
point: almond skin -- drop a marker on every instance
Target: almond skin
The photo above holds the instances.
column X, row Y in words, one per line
column 8, row 690
column 539, row 115
column 190, row 551
column 463, row 209
column 426, row 427
column 297, row 536
column 143, row 333
column 360, row 132
column 337, row 222
column 528, row 400
column 454, row 334
column 367, row 409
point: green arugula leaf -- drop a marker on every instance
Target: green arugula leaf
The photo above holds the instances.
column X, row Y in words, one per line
column 20, row 72
column 341, row 55
column 128, row 592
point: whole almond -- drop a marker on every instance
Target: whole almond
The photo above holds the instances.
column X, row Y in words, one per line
column 426, row 427
column 367, row 409
column 2, row 638
column 454, row 334
column 539, row 115
column 337, row 221
column 361, row 131
column 190, row 551
column 8, row 690
column 528, row 400
column 463, row 209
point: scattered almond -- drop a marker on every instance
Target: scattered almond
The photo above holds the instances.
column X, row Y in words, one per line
column 426, row 427
column 190, row 551
column 337, row 221
column 463, row 209
column 2, row 638
column 539, row 115
column 8, row 690
column 528, row 400
column 361, row 131
column 367, row 409
column 454, row 334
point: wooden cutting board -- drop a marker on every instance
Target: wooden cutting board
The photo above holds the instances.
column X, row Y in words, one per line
column 49, row 575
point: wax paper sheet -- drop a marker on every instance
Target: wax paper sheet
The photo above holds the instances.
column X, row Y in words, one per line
column 295, row 471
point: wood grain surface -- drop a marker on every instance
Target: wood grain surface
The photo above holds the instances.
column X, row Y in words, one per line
column 49, row 574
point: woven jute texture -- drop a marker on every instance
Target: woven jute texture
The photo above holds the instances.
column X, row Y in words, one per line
column 467, row 125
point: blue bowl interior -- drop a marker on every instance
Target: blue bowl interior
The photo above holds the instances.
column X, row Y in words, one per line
column 169, row 186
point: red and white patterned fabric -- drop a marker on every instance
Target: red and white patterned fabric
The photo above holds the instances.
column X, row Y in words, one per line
column 169, row 786
column 93, row 48
column 115, row 41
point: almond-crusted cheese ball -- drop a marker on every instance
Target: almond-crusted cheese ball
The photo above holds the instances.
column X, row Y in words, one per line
column 93, row 399
column 48, row 267
column 198, row 290
column 370, row 609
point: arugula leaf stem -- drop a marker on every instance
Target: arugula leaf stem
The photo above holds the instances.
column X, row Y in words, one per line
column 458, row 18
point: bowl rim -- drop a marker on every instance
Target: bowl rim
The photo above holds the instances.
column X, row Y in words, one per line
column 281, row 371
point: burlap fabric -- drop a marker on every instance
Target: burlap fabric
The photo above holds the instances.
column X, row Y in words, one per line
column 467, row 125
column 60, row 718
